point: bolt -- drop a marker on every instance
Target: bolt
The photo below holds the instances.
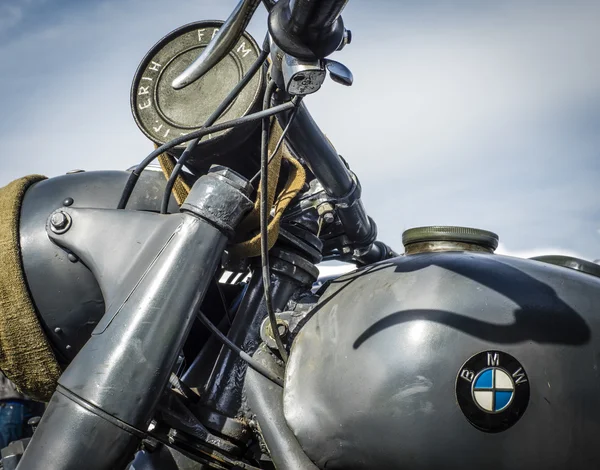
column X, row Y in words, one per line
column 282, row 328
column 328, row 217
column 59, row 220
column 346, row 250
column 58, row 330
column 68, row 348
column 33, row 422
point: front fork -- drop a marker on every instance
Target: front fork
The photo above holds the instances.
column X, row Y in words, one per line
column 153, row 271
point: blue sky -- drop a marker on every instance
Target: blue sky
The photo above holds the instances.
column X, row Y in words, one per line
column 463, row 112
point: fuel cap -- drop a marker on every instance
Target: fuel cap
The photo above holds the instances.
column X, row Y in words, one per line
column 163, row 113
column 448, row 238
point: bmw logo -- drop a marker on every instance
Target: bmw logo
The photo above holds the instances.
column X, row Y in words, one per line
column 492, row 390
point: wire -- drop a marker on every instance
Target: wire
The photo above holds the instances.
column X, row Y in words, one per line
column 230, row 98
column 279, row 142
column 264, row 216
column 254, row 364
column 134, row 176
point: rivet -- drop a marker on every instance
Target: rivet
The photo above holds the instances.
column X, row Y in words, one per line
column 72, row 258
column 57, row 330
column 68, row 201
column 68, row 347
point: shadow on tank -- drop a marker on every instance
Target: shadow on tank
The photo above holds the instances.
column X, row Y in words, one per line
column 542, row 315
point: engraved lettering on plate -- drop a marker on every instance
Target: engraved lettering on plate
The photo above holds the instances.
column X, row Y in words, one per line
column 147, row 104
column 147, row 78
column 144, row 90
column 243, row 50
column 156, row 129
column 493, row 359
column 155, row 66
column 201, row 34
column 167, row 133
column 216, row 30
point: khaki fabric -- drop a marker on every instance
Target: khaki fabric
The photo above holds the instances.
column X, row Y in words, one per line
column 295, row 182
column 180, row 189
column 26, row 357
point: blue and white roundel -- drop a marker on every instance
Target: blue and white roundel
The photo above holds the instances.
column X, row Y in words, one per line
column 493, row 389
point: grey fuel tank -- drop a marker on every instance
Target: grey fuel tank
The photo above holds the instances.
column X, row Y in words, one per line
column 447, row 359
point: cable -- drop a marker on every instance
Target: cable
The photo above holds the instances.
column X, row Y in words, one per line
column 264, row 216
column 279, row 142
column 135, row 174
column 209, row 122
column 131, row 182
column 254, row 364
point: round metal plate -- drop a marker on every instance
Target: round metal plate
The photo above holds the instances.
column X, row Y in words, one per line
column 163, row 113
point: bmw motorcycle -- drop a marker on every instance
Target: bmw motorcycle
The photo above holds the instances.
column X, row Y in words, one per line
column 174, row 317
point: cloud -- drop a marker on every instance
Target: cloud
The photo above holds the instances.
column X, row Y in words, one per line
column 12, row 12
column 482, row 114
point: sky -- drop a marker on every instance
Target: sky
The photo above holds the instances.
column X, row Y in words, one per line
column 463, row 112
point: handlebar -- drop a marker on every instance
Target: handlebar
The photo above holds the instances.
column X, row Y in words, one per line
column 219, row 47
column 307, row 29
column 311, row 14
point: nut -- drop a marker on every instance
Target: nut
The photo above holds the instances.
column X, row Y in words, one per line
column 60, row 222
column 325, row 210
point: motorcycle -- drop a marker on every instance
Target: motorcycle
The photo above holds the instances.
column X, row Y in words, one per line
column 175, row 319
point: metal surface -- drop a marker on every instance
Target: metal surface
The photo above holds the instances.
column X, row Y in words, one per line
column 173, row 412
column 265, row 400
column 223, row 208
column 289, row 272
column 339, row 73
column 302, row 77
column 307, row 29
column 163, row 113
column 68, row 429
column 12, row 453
column 60, row 222
column 164, row 458
column 221, row 44
column 436, row 238
column 347, row 39
column 577, row 264
column 124, row 367
column 370, row 381
column 67, row 297
column 308, row 141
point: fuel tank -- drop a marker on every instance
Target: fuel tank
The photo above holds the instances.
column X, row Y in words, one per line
column 450, row 360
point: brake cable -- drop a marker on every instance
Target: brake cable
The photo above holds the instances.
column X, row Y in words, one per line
column 264, row 221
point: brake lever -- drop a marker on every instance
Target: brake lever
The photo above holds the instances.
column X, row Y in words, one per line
column 219, row 47
column 339, row 73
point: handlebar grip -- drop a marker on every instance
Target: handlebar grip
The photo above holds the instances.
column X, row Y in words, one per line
column 307, row 29
column 315, row 14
